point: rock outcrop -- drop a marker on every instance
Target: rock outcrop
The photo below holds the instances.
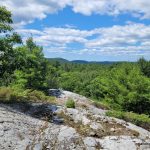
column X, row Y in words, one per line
column 55, row 127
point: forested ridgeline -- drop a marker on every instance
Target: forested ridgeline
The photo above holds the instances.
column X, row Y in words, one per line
column 26, row 74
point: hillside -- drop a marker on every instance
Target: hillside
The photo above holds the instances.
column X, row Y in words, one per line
column 45, row 126
column 61, row 60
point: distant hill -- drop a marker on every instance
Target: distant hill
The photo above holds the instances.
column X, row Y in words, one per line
column 92, row 62
column 62, row 60
column 80, row 61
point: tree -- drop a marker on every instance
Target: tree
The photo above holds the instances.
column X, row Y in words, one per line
column 5, row 20
column 144, row 66
column 31, row 66
column 30, row 43
column 7, row 41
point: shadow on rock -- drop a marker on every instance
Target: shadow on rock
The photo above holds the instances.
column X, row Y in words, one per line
column 40, row 111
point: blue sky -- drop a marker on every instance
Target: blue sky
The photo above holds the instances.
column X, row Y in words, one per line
column 96, row 30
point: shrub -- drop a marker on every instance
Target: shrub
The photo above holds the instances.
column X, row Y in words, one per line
column 138, row 119
column 39, row 96
column 5, row 94
column 11, row 95
column 70, row 103
column 36, row 95
column 19, row 95
column 8, row 95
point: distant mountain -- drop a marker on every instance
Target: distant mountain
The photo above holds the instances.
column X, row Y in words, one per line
column 80, row 61
column 62, row 60
column 92, row 62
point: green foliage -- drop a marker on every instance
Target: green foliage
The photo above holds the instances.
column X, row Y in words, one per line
column 7, row 41
column 25, row 65
column 38, row 96
column 5, row 20
column 140, row 120
column 144, row 66
column 18, row 95
column 117, row 114
column 5, row 94
column 20, row 80
column 29, row 68
column 30, row 44
column 9, row 95
column 124, row 87
column 70, row 103
column 101, row 105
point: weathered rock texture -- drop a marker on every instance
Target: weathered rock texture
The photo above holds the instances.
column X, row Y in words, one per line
column 52, row 127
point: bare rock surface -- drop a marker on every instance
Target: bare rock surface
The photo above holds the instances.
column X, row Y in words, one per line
column 54, row 127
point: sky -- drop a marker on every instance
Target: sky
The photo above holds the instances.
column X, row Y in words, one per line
column 93, row 30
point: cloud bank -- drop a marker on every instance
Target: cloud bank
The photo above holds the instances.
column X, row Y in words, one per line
column 27, row 11
column 131, row 39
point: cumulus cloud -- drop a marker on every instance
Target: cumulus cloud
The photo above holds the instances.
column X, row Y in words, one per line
column 27, row 11
column 121, row 35
column 57, row 37
column 131, row 39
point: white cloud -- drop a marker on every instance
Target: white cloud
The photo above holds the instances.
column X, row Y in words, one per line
column 131, row 34
column 27, row 11
column 131, row 39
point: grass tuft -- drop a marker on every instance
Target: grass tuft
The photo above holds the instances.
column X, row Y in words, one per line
column 70, row 103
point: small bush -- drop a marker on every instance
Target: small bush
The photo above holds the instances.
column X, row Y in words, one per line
column 38, row 96
column 5, row 94
column 137, row 119
column 70, row 103
column 19, row 95
column 140, row 120
column 11, row 95
column 8, row 95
